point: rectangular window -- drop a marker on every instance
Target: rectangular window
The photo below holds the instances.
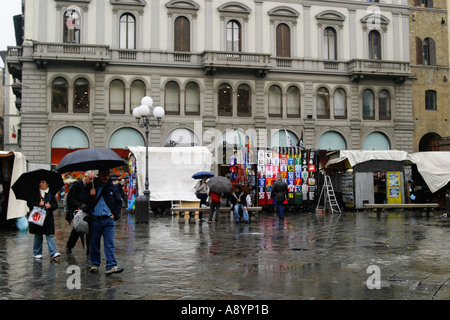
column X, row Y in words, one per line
column 430, row 100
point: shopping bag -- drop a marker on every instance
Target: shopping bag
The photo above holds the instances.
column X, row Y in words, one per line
column 79, row 223
column 37, row 216
column 22, row 223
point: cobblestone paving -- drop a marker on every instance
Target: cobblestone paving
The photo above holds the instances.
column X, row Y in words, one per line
column 306, row 256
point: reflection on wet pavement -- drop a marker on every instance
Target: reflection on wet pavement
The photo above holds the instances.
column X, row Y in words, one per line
column 304, row 256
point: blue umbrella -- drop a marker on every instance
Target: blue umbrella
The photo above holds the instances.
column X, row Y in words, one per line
column 202, row 174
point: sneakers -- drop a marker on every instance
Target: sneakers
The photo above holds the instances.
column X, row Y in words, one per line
column 94, row 269
column 114, row 269
column 55, row 256
column 38, row 256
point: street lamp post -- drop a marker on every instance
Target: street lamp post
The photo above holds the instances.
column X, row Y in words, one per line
column 142, row 115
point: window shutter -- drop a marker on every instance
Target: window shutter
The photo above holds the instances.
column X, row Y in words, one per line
column 419, row 51
column 432, row 49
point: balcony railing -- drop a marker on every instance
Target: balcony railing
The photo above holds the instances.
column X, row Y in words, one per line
column 66, row 51
column 367, row 67
column 210, row 61
column 237, row 60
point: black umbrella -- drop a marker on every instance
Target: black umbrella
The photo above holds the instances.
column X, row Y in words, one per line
column 219, row 184
column 28, row 183
column 90, row 159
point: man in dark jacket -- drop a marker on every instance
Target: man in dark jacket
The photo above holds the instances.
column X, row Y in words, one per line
column 74, row 203
column 279, row 195
column 104, row 204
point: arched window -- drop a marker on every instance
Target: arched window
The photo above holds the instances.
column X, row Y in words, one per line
column 429, row 52
column 368, row 105
column 331, row 140
column 244, row 100
column 224, row 95
column 71, row 27
column 137, row 92
column 376, row 141
column 81, row 96
column 374, row 45
column 323, row 103
column 192, row 99
column 384, row 105
column 329, row 44
column 182, row 36
column 127, row 35
column 283, row 40
column 293, row 102
column 234, row 34
column 181, row 138
column 172, row 98
column 117, row 97
column 59, row 95
column 275, row 102
column 340, row 104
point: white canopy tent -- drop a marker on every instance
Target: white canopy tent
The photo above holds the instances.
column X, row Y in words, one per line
column 171, row 170
column 16, row 208
column 355, row 157
column 434, row 166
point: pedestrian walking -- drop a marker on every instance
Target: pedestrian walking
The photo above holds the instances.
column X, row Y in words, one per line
column 241, row 203
column 74, row 203
column 45, row 199
column 104, row 204
column 201, row 191
column 279, row 195
column 214, row 205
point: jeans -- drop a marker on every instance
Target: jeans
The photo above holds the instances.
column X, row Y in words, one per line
column 236, row 211
column 102, row 226
column 216, row 206
column 38, row 240
column 280, row 209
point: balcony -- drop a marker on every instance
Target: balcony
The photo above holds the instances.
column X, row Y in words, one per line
column 46, row 52
column 213, row 61
column 365, row 68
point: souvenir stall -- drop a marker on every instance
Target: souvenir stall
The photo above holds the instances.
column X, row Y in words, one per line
column 368, row 176
column 298, row 167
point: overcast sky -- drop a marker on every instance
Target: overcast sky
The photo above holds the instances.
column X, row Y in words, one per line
column 8, row 9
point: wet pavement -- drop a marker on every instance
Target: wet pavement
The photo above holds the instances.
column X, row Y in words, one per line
column 396, row 255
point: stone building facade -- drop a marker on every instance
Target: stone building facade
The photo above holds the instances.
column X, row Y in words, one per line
column 336, row 74
column 430, row 66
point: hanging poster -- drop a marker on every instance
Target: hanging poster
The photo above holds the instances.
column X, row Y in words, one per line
column 394, row 187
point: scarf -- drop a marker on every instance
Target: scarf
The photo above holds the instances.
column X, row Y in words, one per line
column 43, row 192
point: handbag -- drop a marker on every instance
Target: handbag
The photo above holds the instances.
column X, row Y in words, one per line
column 37, row 216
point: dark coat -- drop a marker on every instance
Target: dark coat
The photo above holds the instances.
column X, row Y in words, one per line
column 73, row 199
column 279, row 191
column 49, row 223
column 239, row 195
column 111, row 195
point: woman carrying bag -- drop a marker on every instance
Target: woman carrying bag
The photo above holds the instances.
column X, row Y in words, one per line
column 44, row 199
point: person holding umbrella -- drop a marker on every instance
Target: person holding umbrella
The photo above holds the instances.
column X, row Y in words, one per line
column 104, row 204
column 38, row 188
column 44, row 198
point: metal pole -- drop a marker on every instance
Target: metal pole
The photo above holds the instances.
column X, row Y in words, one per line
column 147, row 191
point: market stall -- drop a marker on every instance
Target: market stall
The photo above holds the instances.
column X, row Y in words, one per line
column 369, row 176
column 13, row 164
column 170, row 172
